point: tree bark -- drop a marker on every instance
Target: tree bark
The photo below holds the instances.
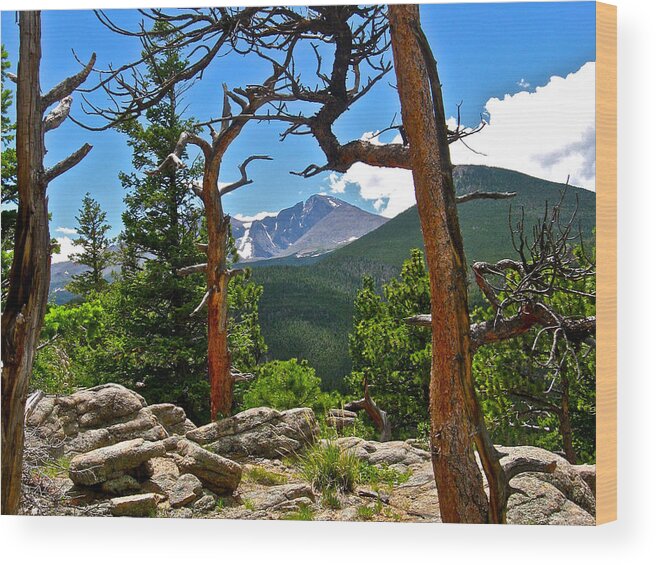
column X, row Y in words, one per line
column 30, row 270
column 456, row 420
column 565, row 420
column 218, row 353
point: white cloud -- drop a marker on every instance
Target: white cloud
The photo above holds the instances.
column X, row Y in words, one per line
column 390, row 190
column 548, row 133
column 523, row 83
column 66, row 231
column 249, row 219
column 67, row 247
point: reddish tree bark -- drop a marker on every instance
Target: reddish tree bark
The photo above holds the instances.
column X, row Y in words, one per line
column 456, row 420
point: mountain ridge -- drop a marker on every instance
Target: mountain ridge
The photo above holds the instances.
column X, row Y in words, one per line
column 318, row 225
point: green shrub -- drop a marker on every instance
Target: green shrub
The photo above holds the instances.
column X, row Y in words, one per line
column 326, row 467
column 287, row 384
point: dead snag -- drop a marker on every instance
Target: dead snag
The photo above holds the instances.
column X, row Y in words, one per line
column 456, row 420
column 29, row 278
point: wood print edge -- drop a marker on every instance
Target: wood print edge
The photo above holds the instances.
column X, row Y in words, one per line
column 606, row 187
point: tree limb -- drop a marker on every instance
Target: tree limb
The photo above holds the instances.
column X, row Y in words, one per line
column 484, row 195
column 67, row 86
column 174, row 159
column 58, row 114
column 244, row 180
column 67, row 163
column 192, row 269
column 483, row 333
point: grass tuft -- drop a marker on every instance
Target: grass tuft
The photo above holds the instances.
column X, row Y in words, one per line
column 326, row 467
column 304, row 513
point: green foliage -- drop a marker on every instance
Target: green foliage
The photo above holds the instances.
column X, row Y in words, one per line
column 307, row 305
column 327, row 467
column 287, row 384
column 367, row 512
column 392, row 356
column 56, row 468
column 95, row 254
column 523, row 398
column 381, row 476
column 70, row 337
column 263, row 476
column 330, row 499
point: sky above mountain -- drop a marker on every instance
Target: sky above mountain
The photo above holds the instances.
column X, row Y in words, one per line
column 526, row 68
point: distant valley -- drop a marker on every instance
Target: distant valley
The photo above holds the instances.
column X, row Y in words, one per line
column 311, row 258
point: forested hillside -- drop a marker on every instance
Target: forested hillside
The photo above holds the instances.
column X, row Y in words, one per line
column 307, row 306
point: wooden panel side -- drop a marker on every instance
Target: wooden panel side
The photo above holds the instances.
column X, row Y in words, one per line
column 606, row 185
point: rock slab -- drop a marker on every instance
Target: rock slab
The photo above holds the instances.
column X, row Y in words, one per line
column 259, row 432
column 107, row 463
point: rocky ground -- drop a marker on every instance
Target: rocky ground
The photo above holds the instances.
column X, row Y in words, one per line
column 105, row 452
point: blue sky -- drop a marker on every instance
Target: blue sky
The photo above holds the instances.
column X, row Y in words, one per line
column 499, row 58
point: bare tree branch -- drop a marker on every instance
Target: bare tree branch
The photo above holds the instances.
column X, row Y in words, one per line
column 244, row 180
column 67, row 163
column 58, row 114
column 192, row 269
column 67, row 86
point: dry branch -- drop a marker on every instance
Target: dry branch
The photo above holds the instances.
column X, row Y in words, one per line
column 67, row 163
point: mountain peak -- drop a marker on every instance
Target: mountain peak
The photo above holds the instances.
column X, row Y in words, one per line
column 292, row 229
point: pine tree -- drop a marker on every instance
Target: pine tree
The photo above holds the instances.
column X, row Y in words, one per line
column 96, row 255
column 159, row 343
column 394, row 357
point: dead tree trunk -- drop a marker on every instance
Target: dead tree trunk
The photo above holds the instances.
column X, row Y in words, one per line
column 29, row 278
column 216, row 269
column 565, row 421
column 456, row 420
column 218, row 353
column 378, row 417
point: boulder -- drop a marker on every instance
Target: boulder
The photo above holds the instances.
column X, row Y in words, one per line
column 562, row 475
column 259, row 432
column 138, row 505
column 535, row 501
column 101, row 416
column 218, row 474
column 206, row 503
column 389, row 453
column 185, row 490
column 172, row 418
column 107, row 463
column 340, row 419
column 102, row 405
column 280, row 497
column 123, row 484
column 589, row 474
column 162, row 473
